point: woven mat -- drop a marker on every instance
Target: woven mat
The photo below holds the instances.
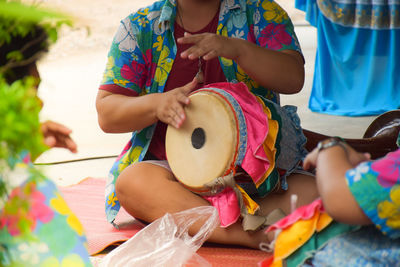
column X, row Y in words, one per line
column 86, row 200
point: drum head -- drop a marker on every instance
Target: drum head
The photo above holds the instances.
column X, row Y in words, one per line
column 203, row 148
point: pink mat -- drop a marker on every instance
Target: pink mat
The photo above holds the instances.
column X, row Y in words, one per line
column 86, row 200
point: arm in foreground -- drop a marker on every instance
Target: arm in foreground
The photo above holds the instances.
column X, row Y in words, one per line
column 331, row 166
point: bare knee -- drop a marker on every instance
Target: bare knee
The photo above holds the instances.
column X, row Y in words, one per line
column 139, row 188
column 130, row 185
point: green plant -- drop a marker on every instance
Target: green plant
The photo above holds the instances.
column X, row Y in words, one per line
column 19, row 124
column 18, row 20
column 19, row 105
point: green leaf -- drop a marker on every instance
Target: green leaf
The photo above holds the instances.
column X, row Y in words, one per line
column 15, row 55
column 24, row 13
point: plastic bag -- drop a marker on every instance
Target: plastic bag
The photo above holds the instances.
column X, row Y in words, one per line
column 166, row 241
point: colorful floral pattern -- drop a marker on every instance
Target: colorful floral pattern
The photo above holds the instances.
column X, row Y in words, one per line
column 143, row 51
column 388, row 170
column 34, row 210
column 376, row 187
column 390, row 209
column 273, row 12
column 275, row 37
column 37, row 228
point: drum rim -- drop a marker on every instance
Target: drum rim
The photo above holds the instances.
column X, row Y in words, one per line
column 241, row 126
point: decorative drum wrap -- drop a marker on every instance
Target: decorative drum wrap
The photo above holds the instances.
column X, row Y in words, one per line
column 210, row 143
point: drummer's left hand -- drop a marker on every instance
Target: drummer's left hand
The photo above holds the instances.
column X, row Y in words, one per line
column 209, row 46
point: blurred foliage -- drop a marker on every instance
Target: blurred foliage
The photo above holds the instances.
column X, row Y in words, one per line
column 19, row 124
column 18, row 19
column 19, row 105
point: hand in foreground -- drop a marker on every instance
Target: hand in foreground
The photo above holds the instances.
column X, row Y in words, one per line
column 57, row 135
column 170, row 108
column 209, row 46
column 354, row 158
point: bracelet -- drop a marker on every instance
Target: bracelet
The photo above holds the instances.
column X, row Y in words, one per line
column 330, row 142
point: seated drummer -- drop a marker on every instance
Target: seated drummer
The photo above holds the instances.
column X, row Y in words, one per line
column 146, row 85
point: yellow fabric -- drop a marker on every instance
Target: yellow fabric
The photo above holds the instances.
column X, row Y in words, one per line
column 323, row 221
column 250, row 204
column 269, row 143
column 276, row 264
column 293, row 237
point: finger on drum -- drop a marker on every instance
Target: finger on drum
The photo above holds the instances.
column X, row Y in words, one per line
column 183, row 99
column 171, row 121
column 177, row 118
column 189, row 88
column 181, row 114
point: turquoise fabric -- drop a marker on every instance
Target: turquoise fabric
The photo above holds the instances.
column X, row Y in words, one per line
column 143, row 51
column 375, row 14
column 356, row 69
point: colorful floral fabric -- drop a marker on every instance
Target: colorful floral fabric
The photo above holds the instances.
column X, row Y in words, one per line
column 143, row 51
column 376, row 187
column 36, row 226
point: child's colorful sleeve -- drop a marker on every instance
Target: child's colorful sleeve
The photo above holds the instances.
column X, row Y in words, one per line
column 272, row 27
column 376, row 187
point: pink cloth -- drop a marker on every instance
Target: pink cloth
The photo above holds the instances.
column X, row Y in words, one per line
column 305, row 212
column 388, row 169
column 226, row 203
column 255, row 161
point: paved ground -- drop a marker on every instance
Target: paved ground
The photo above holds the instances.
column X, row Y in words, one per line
column 73, row 68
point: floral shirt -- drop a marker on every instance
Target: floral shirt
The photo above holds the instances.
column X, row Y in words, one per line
column 376, row 187
column 36, row 226
column 143, row 51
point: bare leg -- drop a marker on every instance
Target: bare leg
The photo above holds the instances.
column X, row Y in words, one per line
column 304, row 186
column 147, row 192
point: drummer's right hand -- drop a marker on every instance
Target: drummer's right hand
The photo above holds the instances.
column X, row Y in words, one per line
column 170, row 109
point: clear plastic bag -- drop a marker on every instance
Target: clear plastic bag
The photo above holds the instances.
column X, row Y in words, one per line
column 166, row 241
